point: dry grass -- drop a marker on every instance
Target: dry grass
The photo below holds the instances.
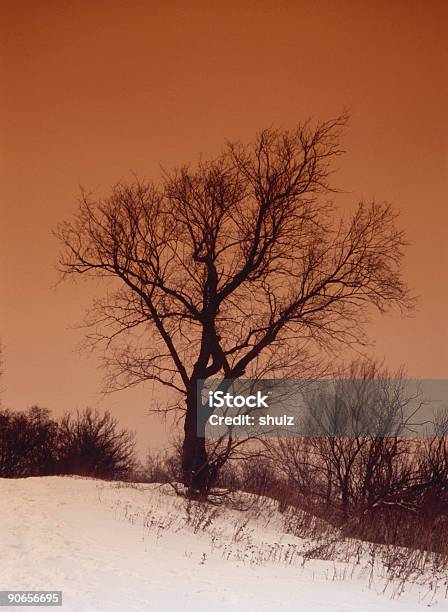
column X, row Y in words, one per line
column 261, row 535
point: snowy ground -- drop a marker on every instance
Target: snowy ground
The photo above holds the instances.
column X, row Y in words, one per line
column 118, row 548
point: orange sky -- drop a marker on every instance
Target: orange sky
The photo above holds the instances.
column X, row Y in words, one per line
column 92, row 91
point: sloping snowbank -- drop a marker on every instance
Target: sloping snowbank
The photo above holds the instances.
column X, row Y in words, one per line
column 111, row 547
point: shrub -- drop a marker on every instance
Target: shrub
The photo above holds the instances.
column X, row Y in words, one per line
column 88, row 444
column 28, row 443
column 91, row 444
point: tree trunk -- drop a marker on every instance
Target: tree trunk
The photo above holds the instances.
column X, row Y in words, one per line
column 197, row 473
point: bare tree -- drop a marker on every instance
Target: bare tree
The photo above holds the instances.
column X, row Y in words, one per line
column 238, row 267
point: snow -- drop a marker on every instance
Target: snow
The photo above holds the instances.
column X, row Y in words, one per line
column 114, row 547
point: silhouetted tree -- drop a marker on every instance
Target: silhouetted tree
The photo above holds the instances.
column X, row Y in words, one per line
column 238, row 267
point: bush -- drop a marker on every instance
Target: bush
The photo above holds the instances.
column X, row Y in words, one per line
column 28, row 443
column 91, row 444
column 162, row 467
column 88, row 444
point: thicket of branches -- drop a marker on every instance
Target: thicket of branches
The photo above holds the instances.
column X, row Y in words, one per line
column 88, row 444
column 395, row 491
column 358, row 468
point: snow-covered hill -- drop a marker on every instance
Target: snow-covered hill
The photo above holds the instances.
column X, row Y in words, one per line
column 112, row 547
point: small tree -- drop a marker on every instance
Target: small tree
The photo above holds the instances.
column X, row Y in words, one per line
column 238, row 267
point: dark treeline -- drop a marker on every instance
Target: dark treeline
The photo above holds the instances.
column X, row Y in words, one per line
column 32, row 443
